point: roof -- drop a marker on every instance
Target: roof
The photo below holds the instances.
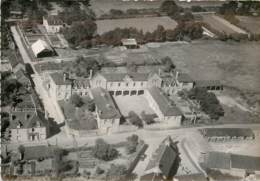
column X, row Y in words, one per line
column 48, row 66
column 79, row 83
column 166, row 106
column 129, row 41
column 232, row 132
column 118, row 77
column 163, row 158
column 40, row 46
column 245, row 162
column 192, row 177
column 59, row 79
column 35, row 152
column 218, row 160
column 183, row 77
column 104, row 103
column 54, row 20
column 206, row 83
column 22, row 77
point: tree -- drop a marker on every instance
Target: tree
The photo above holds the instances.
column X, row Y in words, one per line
column 131, row 67
column 168, row 65
column 104, row 151
column 148, row 119
column 76, row 100
column 21, row 150
column 134, row 119
column 117, row 170
column 170, row 7
column 159, row 34
column 4, row 122
column 99, row 171
column 132, row 142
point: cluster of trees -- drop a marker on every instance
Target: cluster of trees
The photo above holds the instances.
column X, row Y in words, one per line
column 82, row 66
column 104, row 151
column 116, row 170
column 132, row 142
column 208, row 102
column 135, row 119
column 77, row 101
column 240, row 7
column 168, row 64
column 148, row 118
column 5, row 122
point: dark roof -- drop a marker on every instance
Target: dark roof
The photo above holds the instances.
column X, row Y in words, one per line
column 245, row 162
column 22, row 77
column 185, row 78
column 35, row 152
column 58, row 78
column 105, row 104
column 78, row 83
column 54, row 20
column 166, row 107
column 232, row 132
column 206, row 83
column 118, row 77
column 164, row 157
column 218, row 160
column 192, row 177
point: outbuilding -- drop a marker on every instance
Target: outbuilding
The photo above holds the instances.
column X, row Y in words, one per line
column 42, row 49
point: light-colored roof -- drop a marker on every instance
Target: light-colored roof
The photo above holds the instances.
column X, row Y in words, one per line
column 39, row 46
column 118, row 77
column 166, row 107
column 129, row 41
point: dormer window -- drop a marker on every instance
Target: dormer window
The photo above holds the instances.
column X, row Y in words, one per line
column 32, row 129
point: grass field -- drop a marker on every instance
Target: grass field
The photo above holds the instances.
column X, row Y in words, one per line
column 221, row 24
column 147, row 24
column 251, row 24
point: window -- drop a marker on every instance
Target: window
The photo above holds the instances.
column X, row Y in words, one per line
column 32, row 129
column 142, row 83
column 134, row 84
column 111, row 84
column 126, row 84
column 119, row 84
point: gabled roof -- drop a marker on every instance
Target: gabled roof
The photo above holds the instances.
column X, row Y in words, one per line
column 166, row 107
column 104, row 103
column 35, row 152
column 232, row 132
column 185, row 78
column 163, row 159
column 206, row 83
column 245, row 162
column 54, row 20
column 40, row 46
column 118, row 77
column 129, row 41
column 59, row 79
column 22, row 77
column 218, row 160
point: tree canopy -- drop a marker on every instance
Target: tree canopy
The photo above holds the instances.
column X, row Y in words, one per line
column 104, row 151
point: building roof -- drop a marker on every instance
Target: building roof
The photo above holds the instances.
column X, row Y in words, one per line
column 245, row 162
column 40, row 46
column 206, row 83
column 79, row 83
column 118, row 77
column 218, row 160
column 35, row 152
column 129, row 41
column 54, row 20
column 48, row 66
column 59, row 78
column 185, row 78
column 22, row 77
column 104, row 103
column 231, row 132
column 166, row 106
column 192, row 177
column 163, row 159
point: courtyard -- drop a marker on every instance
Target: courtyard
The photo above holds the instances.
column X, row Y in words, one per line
column 136, row 103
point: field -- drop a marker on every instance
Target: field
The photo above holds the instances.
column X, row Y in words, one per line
column 101, row 7
column 147, row 24
column 221, row 24
column 251, row 24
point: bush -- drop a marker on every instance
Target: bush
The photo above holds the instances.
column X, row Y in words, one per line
column 134, row 119
column 104, row 151
column 99, row 171
column 117, row 170
column 148, row 119
column 132, row 142
column 76, row 100
column 168, row 65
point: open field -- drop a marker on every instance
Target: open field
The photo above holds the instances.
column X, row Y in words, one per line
column 101, row 7
column 250, row 23
column 221, row 24
column 133, row 103
column 147, row 24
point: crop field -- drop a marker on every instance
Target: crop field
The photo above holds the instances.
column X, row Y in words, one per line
column 222, row 25
column 101, row 7
column 147, row 24
column 249, row 23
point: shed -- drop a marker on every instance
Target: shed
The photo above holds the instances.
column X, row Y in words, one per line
column 129, row 43
column 42, row 49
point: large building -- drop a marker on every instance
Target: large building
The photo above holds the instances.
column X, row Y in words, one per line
column 41, row 49
column 53, row 23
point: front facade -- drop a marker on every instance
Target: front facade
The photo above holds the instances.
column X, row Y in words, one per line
column 53, row 24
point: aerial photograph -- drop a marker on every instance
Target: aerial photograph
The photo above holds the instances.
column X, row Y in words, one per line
column 130, row 90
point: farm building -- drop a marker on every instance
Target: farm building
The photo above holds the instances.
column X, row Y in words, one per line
column 129, row 43
column 108, row 116
column 53, row 23
column 42, row 49
column 227, row 134
column 164, row 162
column 211, row 85
column 184, row 81
column 236, row 165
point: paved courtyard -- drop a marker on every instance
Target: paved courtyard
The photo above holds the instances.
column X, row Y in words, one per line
column 133, row 103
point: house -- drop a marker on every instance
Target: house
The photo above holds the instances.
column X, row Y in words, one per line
column 23, row 79
column 164, row 108
column 129, row 43
column 184, row 81
column 27, row 123
column 16, row 63
column 210, row 85
column 125, row 83
column 233, row 164
column 227, row 134
column 108, row 116
column 53, row 23
column 164, row 162
column 42, row 49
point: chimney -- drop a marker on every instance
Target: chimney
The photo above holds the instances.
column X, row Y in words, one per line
column 64, row 77
column 159, row 72
column 46, row 115
column 177, row 75
column 90, row 74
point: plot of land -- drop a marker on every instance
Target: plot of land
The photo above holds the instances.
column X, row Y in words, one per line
column 147, row 24
column 221, row 24
column 133, row 103
column 251, row 24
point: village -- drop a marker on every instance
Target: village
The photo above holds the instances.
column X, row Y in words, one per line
column 130, row 90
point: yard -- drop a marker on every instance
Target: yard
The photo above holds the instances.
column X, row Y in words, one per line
column 250, row 23
column 146, row 24
column 133, row 103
